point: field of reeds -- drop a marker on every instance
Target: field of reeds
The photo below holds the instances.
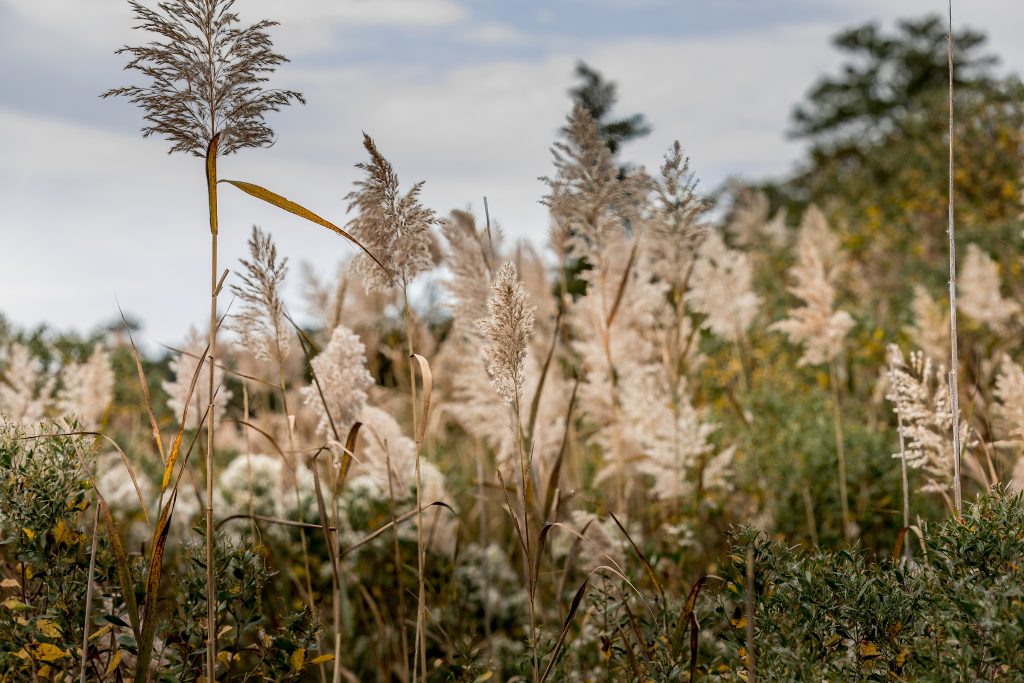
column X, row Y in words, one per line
column 771, row 432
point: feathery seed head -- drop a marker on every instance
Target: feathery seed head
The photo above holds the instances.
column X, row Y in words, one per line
column 26, row 391
column 508, row 328
column 978, row 292
column 207, row 76
column 88, row 388
column 261, row 322
column 919, row 394
column 393, row 227
column 722, row 289
column 815, row 325
column 341, row 370
column 1009, row 408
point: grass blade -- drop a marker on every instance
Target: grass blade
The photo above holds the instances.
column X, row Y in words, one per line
column 349, row 454
column 684, row 617
column 428, row 384
column 622, row 286
column 556, row 469
column 145, row 390
column 124, row 574
column 156, row 560
column 302, row 212
column 573, row 608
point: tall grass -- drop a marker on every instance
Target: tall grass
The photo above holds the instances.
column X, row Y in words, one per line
column 628, row 412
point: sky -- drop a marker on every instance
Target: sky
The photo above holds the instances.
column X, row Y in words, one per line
column 467, row 95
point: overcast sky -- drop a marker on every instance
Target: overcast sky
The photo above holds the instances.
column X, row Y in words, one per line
column 465, row 94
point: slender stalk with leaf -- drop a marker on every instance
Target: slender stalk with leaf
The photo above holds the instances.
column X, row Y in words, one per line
column 207, row 96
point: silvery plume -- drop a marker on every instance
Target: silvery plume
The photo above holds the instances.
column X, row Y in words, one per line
column 817, row 325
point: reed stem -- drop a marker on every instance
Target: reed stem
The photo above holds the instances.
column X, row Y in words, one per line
column 211, row 589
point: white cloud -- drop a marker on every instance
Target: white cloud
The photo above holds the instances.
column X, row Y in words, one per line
column 306, row 25
column 494, row 33
column 90, row 215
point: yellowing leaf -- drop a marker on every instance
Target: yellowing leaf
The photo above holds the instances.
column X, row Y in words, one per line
column 28, row 532
column 322, row 658
column 62, row 534
column 301, row 211
column 14, row 604
column 101, row 632
column 115, row 661
column 868, row 649
column 739, row 623
column 486, row 676
column 10, row 583
column 299, row 659
column 47, row 652
column 49, row 628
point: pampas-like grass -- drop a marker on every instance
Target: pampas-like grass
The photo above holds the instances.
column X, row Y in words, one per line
column 206, row 76
column 508, row 329
column 722, row 289
column 183, row 368
column 207, row 96
column 930, row 329
column 26, row 390
column 920, row 398
column 816, row 326
column 1009, row 405
column 590, row 202
column 344, row 380
column 261, row 323
column 471, row 256
column 978, row 292
column 88, row 388
column 395, row 227
column 750, row 223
